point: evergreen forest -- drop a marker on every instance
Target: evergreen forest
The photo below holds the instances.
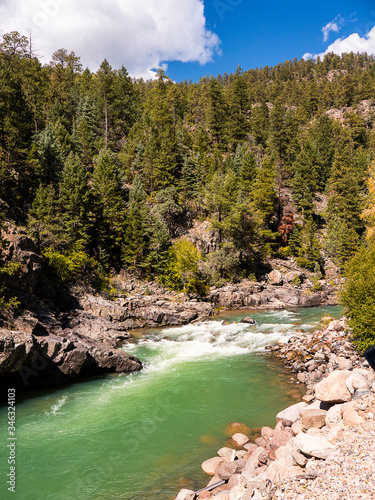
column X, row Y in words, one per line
column 108, row 173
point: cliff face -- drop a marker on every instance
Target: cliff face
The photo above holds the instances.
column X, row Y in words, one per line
column 42, row 349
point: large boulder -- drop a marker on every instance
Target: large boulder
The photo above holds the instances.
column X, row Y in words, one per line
column 275, row 277
column 333, row 389
column 312, row 299
column 29, row 361
column 314, row 446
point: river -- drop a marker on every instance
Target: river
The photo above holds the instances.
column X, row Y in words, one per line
column 144, row 436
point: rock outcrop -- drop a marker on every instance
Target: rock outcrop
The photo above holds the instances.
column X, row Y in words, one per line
column 247, row 294
column 138, row 311
column 28, row 361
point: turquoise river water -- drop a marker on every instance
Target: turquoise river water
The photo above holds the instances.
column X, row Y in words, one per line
column 144, row 436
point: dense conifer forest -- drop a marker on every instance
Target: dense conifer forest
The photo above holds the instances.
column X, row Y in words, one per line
column 106, row 172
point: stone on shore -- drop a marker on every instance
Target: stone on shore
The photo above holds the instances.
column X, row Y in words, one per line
column 282, row 469
column 314, row 446
column 250, row 447
column 333, row 416
column 281, row 435
column 349, row 415
column 290, row 414
column 186, row 495
column 253, row 462
column 333, row 389
column 357, row 381
column 314, row 418
column 228, row 469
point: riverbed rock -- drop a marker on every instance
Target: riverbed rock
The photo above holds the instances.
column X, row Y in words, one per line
column 249, row 320
column 211, row 465
column 333, row 389
column 240, row 439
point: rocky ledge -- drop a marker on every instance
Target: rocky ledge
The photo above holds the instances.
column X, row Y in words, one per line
column 268, row 295
column 28, row 361
column 321, row 447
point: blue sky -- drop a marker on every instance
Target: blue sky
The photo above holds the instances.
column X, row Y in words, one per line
column 190, row 38
column 255, row 34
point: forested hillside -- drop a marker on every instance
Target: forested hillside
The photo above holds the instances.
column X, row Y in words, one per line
column 107, row 173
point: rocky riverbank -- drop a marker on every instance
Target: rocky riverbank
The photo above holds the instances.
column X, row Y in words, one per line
column 81, row 323
column 321, row 447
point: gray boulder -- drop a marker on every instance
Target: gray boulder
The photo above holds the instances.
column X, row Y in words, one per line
column 29, row 361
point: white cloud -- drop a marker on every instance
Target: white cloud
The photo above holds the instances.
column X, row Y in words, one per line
column 334, row 25
column 352, row 43
column 139, row 34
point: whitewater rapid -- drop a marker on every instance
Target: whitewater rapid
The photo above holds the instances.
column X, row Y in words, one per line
column 168, row 348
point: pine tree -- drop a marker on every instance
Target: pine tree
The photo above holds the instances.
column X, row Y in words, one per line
column 238, row 107
column 262, row 203
column 44, row 221
column 344, row 187
column 305, row 178
column 75, row 200
column 109, row 210
column 48, row 158
column 137, row 231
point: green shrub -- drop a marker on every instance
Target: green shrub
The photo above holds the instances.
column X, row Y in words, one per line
column 182, row 273
column 317, row 286
column 297, row 281
column 7, row 300
column 69, row 266
column 358, row 296
column 305, row 263
column 284, row 252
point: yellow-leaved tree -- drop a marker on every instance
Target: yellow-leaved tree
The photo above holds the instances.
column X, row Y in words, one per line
column 358, row 294
column 368, row 214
